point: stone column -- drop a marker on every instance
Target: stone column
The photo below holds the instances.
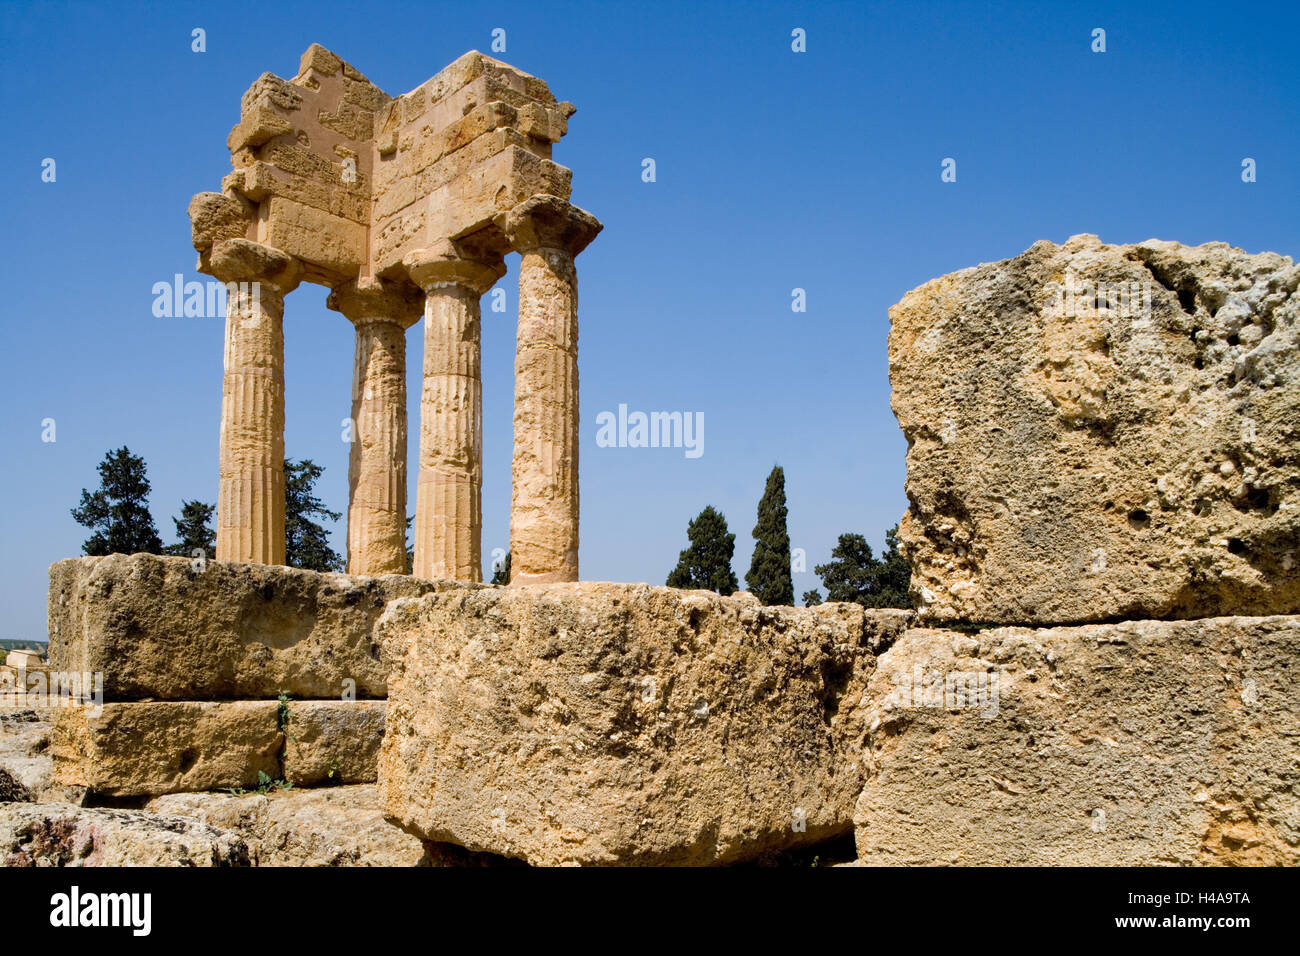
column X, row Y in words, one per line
column 381, row 312
column 250, row 494
column 449, row 493
column 548, row 233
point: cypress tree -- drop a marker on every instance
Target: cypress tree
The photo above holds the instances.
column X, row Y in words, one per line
column 706, row 562
column 118, row 512
column 769, row 571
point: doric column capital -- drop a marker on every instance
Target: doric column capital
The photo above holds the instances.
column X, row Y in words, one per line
column 445, row 265
column 242, row 260
column 377, row 300
column 548, row 222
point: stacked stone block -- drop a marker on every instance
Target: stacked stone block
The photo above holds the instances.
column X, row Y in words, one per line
column 217, row 675
column 1106, row 437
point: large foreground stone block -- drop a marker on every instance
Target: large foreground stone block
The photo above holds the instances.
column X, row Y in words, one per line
column 1140, row 743
column 157, row 627
column 1099, row 432
column 623, row 724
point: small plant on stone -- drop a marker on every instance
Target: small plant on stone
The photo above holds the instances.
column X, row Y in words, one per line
column 282, row 713
column 266, row 784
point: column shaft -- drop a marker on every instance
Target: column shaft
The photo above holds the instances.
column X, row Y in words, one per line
column 544, row 498
column 449, row 507
column 250, row 497
column 377, row 462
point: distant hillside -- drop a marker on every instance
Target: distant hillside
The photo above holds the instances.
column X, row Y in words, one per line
column 8, row 644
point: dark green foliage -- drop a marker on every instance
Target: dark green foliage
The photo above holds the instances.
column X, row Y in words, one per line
column 118, row 513
column 855, row 574
column 812, row 598
column 192, row 530
column 410, row 546
column 306, row 543
column 769, row 571
column 706, row 563
column 501, row 573
column 8, row 644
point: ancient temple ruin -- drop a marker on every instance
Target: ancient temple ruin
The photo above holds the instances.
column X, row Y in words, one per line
column 403, row 207
column 1102, row 526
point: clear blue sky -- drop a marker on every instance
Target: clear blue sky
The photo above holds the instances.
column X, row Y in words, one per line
column 775, row 170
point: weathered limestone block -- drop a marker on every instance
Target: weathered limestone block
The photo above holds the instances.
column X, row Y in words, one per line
column 156, row 627
column 329, row 826
column 333, row 741
column 332, row 826
column 242, row 813
column 324, row 239
column 623, row 724
column 57, row 834
column 1097, row 432
column 141, row 749
column 161, row 747
column 1139, row 743
column 26, row 768
column 215, row 218
column 158, row 747
column 478, row 194
column 260, row 123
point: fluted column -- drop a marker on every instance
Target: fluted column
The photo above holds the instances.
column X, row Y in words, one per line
column 250, row 494
column 381, row 313
column 449, row 492
column 548, row 233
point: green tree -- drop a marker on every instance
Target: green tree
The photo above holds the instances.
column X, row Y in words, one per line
column 812, row 598
column 306, row 543
column 192, row 530
column 855, row 574
column 410, row 546
column 501, row 572
column 769, row 571
column 895, row 574
column 118, row 512
column 706, row 562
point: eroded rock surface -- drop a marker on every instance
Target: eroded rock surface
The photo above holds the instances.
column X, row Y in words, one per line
column 1140, row 743
column 150, row 748
column 161, row 628
column 25, row 764
column 1099, row 432
column 59, row 834
column 623, row 724
column 328, row 826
